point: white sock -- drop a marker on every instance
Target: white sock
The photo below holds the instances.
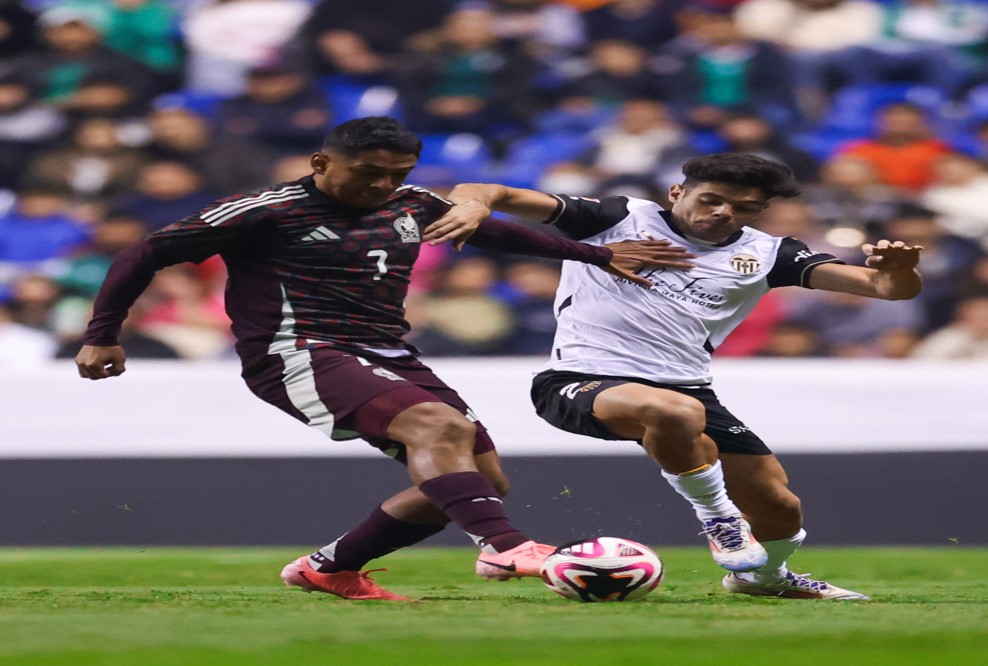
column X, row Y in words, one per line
column 706, row 492
column 329, row 552
column 778, row 551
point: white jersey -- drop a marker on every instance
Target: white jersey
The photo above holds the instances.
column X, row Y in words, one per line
column 612, row 327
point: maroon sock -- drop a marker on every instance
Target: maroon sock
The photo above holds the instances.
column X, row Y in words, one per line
column 469, row 499
column 377, row 536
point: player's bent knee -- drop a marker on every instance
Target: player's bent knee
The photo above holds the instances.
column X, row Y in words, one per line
column 457, row 429
column 791, row 508
column 682, row 413
column 783, row 508
column 433, row 424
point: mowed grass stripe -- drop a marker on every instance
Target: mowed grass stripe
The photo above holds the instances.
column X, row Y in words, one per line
column 226, row 606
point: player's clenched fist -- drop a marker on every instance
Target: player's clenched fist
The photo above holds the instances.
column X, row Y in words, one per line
column 100, row 362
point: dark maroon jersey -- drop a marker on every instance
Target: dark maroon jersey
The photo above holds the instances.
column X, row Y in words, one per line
column 306, row 270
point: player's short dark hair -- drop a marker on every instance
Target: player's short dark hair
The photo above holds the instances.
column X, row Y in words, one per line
column 372, row 133
column 775, row 179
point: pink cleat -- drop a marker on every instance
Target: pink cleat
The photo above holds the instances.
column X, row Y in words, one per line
column 345, row 584
column 522, row 561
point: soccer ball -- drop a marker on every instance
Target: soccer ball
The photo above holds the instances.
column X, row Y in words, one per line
column 602, row 569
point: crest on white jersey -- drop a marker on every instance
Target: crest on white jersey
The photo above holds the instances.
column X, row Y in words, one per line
column 408, row 229
column 745, row 263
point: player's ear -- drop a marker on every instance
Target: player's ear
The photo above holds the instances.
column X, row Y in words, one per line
column 676, row 192
column 319, row 162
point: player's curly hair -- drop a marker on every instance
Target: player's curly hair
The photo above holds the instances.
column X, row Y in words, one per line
column 372, row 133
column 775, row 179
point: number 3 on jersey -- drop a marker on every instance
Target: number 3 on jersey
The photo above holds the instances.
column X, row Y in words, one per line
column 382, row 257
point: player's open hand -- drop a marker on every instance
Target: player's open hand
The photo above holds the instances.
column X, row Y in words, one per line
column 100, row 362
column 632, row 256
column 891, row 255
column 457, row 225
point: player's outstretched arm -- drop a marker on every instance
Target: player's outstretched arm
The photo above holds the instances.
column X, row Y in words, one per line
column 629, row 257
column 129, row 275
column 620, row 259
column 474, row 202
column 889, row 273
column 100, row 362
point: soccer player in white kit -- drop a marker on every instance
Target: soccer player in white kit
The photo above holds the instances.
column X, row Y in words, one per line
column 633, row 363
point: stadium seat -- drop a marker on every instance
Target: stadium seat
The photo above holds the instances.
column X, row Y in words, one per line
column 823, row 143
column 966, row 143
column 707, row 142
column 556, row 121
column 977, row 102
column 205, row 104
column 452, row 158
column 853, row 107
column 527, row 159
column 351, row 99
column 544, row 149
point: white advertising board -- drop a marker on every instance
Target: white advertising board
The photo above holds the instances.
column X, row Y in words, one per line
column 189, row 409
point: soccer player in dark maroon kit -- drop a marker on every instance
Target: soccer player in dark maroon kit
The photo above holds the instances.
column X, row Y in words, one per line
column 318, row 273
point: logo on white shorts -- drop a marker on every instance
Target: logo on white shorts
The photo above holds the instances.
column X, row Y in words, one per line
column 570, row 390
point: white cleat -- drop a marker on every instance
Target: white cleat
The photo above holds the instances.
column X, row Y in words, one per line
column 732, row 544
column 792, row 586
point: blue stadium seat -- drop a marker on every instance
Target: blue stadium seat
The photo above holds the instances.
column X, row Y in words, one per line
column 823, row 143
column 557, row 121
column 452, row 158
column 548, row 148
column 966, row 143
column 853, row 107
column 380, row 101
column 351, row 99
column 205, row 104
column 707, row 142
column 516, row 174
column 528, row 158
column 977, row 102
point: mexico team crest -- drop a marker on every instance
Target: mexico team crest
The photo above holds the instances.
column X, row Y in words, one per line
column 745, row 263
column 408, row 229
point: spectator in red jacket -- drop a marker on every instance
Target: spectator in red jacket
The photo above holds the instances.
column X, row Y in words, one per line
column 903, row 150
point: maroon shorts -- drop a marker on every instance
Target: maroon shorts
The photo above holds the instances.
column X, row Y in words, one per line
column 347, row 396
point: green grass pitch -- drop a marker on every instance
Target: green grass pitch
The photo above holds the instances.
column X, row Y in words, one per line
column 219, row 606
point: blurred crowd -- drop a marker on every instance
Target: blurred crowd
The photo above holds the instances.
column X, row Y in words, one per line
column 118, row 117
